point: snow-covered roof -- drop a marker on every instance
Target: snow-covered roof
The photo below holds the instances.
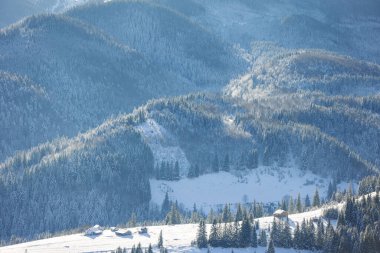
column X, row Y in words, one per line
column 280, row 212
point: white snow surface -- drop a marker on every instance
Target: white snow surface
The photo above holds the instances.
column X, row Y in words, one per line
column 177, row 238
column 265, row 184
column 164, row 145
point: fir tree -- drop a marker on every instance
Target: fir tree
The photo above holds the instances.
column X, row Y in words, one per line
column 270, row 248
column 226, row 214
column 132, row 220
column 263, row 239
column 214, row 236
column 299, row 203
column 316, row 199
column 165, row 207
column 286, row 236
column 139, row 249
column 215, row 163
column 239, row 213
column 150, row 249
column 176, row 171
column 160, row 242
column 245, row 235
column 291, row 205
column 201, row 235
column 307, row 201
column 254, row 242
column 226, row 163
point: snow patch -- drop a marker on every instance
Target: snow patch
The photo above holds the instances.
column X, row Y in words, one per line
column 164, row 145
column 265, row 184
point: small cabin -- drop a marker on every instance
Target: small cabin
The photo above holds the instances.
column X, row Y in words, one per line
column 123, row 232
column 143, row 230
column 280, row 214
column 95, row 230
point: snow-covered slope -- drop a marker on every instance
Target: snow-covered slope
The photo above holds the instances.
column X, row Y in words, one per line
column 265, row 184
column 164, row 146
column 177, row 238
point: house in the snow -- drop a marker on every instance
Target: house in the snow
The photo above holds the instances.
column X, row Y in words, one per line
column 143, row 230
column 280, row 214
column 95, row 230
column 123, row 232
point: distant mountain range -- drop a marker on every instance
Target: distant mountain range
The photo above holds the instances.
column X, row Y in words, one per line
column 98, row 100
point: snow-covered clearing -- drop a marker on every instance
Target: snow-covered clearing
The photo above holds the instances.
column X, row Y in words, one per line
column 163, row 145
column 265, row 184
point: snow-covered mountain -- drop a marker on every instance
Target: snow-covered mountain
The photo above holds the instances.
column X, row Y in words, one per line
column 107, row 107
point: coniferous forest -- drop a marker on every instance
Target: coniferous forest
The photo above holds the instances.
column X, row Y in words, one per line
column 190, row 126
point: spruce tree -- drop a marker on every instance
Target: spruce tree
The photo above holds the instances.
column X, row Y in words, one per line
column 270, row 248
column 239, row 213
column 132, row 220
column 226, row 163
column 201, row 235
column 330, row 191
column 307, row 201
column 215, row 163
column 297, row 238
column 245, row 235
column 299, row 203
column 226, row 214
column 160, row 242
column 139, row 249
column 263, row 238
column 150, row 249
column 254, row 237
column 214, row 237
column 176, row 171
column 286, row 237
column 319, row 235
column 165, row 204
column 316, row 199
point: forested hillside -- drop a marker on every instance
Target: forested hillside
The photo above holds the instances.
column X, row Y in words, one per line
column 167, row 39
column 98, row 177
column 104, row 102
column 88, row 76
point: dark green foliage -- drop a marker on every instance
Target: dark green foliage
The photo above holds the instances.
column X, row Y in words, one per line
column 160, row 242
column 316, row 199
column 245, row 233
column 331, row 213
column 214, row 235
column 174, row 215
column 263, row 239
column 369, row 184
column 165, row 207
column 201, row 238
column 270, row 248
column 215, row 163
column 307, row 201
column 254, row 242
column 226, row 163
column 168, row 171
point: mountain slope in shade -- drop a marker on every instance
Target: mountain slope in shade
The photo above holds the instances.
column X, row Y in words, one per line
column 167, row 39
column 86, row 75
column 26, row 116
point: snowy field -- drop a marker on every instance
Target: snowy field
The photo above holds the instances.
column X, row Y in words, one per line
column 177, row 238
column 264, row 184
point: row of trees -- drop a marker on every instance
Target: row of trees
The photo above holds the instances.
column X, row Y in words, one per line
column 357, row 231
column 167, row 171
